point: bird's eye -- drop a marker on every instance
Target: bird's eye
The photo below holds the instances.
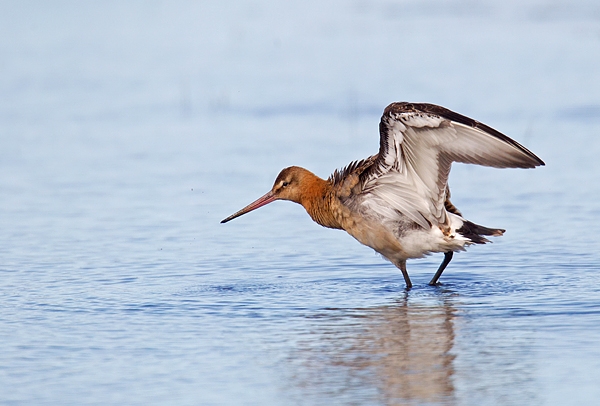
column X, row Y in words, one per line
column 284, row 184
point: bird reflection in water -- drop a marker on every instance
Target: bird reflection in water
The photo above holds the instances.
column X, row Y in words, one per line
column 396, row 354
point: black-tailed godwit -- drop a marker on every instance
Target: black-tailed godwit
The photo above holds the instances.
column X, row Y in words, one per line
column 398, row 201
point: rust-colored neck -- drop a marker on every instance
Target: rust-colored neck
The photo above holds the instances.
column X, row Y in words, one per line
column 317, row 197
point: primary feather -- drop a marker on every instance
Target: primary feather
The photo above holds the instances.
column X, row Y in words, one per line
column 418, row 143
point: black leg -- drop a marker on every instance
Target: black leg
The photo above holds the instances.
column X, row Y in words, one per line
column 445, row 262
column 402, row 267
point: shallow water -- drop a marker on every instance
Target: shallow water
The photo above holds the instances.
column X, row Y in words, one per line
column 129, row 130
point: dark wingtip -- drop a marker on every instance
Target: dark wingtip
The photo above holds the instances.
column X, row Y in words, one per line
column 498, row 232
column 403, row 107
column 538, row 161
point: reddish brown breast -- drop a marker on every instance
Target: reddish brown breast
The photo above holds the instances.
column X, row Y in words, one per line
column 319, row 200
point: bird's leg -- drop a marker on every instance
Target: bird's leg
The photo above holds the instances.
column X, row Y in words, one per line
column 444, row 264
column 402, row 266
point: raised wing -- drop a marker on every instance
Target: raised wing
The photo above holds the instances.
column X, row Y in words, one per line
column 418, row 143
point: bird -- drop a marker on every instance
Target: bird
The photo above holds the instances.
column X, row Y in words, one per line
column 398, row 201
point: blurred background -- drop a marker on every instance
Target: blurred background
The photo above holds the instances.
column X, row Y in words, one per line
column 129, row 129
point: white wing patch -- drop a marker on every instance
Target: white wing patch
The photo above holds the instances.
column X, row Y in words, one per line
column 394, row 143
column 395, row 193
column 417, row 119
column 414, row 163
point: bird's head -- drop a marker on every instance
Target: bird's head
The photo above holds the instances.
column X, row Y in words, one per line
column 290, row 184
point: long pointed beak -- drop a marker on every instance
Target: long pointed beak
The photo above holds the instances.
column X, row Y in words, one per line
column 260, row 202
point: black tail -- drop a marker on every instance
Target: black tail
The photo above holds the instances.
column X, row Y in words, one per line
column 476, row 233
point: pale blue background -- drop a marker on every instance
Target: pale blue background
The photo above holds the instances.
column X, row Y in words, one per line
column 128, row 130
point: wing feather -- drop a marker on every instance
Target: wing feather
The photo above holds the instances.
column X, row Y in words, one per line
column 418, row 143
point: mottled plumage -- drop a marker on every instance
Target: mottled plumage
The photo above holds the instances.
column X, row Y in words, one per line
column 398, row 201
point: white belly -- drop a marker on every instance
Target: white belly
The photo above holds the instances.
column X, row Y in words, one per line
column 414, row 243
column 419, row 243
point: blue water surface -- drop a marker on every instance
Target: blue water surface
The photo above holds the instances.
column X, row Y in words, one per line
column 128, row 130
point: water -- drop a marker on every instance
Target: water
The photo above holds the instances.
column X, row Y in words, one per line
column 128, row 130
